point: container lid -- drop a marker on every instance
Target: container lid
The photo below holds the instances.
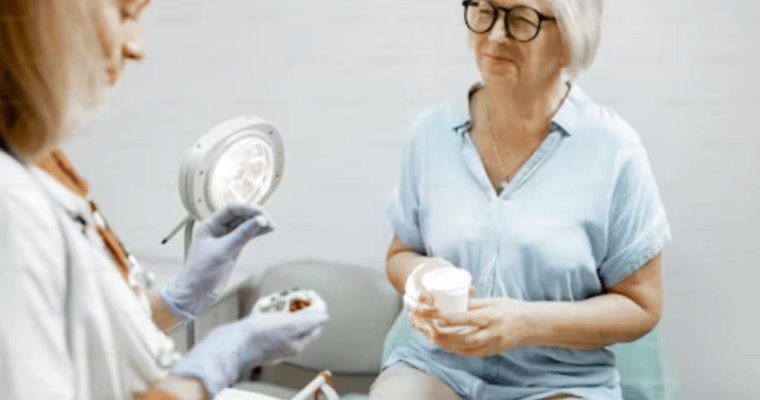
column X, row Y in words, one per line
column 448, row 279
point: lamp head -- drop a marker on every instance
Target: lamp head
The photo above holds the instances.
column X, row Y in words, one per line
column 238, row 161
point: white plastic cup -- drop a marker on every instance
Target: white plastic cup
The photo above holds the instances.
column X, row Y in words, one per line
column 450, row 288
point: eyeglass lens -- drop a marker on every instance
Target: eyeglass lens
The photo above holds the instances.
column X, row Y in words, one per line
column 522, row 22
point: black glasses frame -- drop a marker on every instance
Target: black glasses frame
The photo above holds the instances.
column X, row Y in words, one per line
column 541, row 18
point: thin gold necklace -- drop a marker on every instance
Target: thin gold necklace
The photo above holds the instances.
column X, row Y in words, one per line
column 508, row 178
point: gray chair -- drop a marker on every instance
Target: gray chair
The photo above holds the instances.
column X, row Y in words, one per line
column 362, row 306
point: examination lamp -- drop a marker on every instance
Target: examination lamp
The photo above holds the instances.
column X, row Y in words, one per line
column 238, row 161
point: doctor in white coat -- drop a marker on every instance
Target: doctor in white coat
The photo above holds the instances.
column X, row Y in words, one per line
column 70, row 326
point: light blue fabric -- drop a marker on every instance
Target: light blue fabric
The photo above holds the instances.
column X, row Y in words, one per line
column 581, row 215
column 644, row 365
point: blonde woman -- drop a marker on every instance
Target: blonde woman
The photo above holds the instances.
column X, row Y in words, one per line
column 547, row 199
column 78, row 320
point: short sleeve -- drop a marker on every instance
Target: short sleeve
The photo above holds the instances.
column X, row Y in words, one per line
column 403, row 205
column 637, row 226
column 34, row 354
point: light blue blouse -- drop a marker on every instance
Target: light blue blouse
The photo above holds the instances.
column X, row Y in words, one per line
column 580, row 216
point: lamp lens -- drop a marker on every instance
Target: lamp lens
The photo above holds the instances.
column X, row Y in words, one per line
column 244, row 173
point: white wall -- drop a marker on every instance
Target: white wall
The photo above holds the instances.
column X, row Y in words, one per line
column 341, row 79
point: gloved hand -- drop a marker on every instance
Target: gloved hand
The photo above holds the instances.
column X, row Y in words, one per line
column 212, row 255
column 218, row 358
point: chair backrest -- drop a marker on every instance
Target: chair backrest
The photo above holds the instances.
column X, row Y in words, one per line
column 362, row 306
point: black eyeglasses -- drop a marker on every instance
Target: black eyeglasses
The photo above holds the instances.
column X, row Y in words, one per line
column 521, row 23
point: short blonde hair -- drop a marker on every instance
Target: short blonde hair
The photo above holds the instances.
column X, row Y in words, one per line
column 51, row 69
column 580, row 24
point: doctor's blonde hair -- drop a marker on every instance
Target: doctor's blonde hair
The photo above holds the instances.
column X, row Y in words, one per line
column 51, row 70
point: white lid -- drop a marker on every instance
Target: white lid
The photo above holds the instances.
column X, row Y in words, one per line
column 448, row 279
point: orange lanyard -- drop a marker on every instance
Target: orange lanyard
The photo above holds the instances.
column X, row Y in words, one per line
column 57, row 165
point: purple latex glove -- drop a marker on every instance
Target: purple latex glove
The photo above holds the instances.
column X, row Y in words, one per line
column 212, row 255
column 259, row 338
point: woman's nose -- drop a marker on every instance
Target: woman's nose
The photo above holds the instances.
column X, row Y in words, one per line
column 499, row 31
column 134, row 47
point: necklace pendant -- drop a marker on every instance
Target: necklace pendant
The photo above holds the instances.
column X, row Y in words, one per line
column 504, row 184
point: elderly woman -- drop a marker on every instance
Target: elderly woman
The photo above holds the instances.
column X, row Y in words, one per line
column 547, row 199
column 78, row 318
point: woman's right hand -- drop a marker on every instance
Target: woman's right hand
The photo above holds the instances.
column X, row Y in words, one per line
column 417, row 300
column 415, row 295
column 260, row 338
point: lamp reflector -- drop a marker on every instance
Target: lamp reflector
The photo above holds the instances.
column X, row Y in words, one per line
column 244, row 173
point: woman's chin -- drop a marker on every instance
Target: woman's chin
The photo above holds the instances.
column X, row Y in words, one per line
column 503, row 72
column 499, row 78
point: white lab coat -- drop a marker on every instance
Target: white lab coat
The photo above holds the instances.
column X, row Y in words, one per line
column 70, row 326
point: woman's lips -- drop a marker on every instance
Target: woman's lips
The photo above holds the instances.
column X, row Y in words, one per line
column 498, row 58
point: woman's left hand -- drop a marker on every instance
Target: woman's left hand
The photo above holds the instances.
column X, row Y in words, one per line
column 500, row 324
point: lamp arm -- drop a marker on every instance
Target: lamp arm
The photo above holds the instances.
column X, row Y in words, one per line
column 175, row 230
column 189, row 234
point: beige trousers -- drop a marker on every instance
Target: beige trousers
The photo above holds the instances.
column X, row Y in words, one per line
column 402, row 381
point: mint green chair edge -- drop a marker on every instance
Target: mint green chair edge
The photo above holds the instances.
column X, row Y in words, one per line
column 642, row 364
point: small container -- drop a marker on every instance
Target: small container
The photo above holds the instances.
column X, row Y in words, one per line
column 450, row 288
